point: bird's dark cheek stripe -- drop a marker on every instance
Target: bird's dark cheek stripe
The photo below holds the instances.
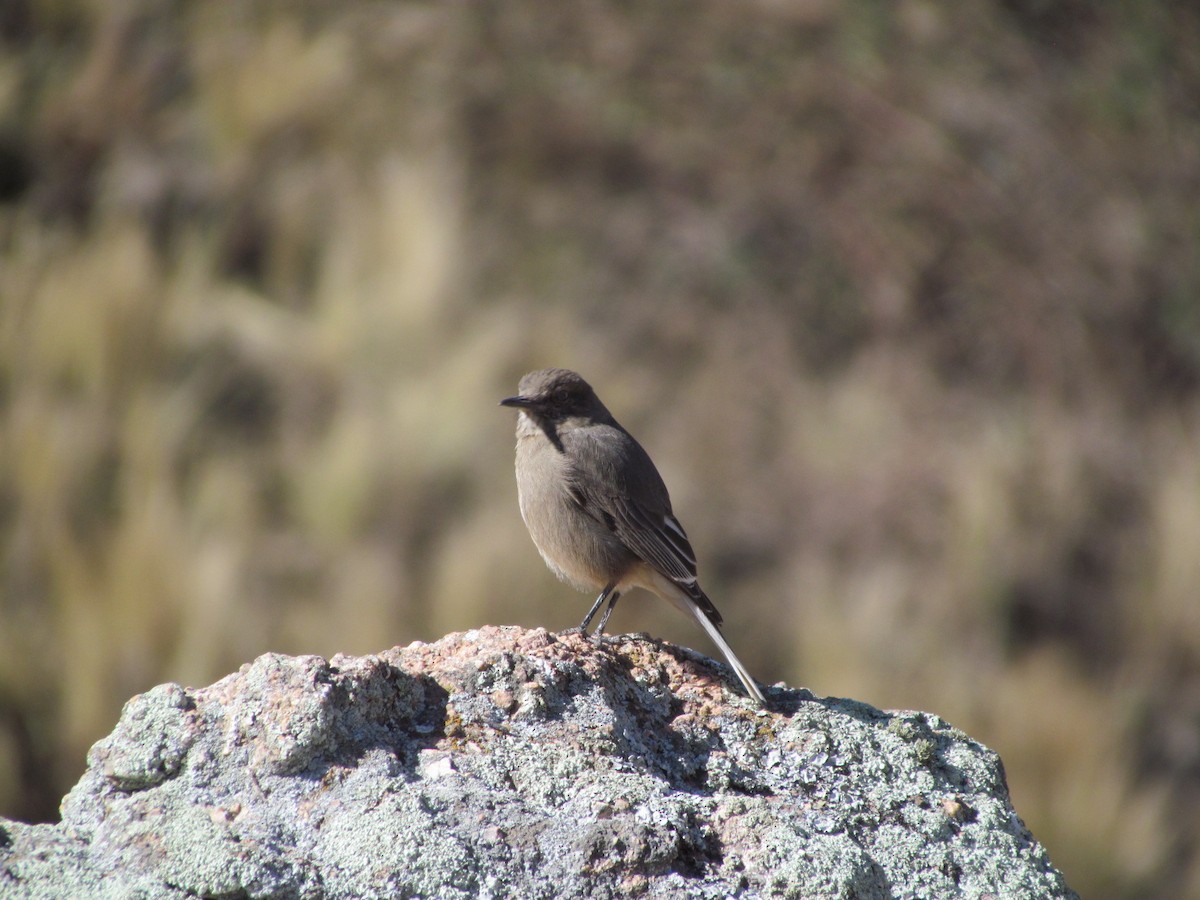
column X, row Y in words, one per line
column 551, row 433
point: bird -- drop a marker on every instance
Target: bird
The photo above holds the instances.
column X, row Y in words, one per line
column 597, row 508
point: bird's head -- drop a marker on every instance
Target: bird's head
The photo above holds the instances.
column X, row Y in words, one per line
column 554, row 396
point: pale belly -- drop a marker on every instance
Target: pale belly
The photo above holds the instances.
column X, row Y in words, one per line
column 576, row 548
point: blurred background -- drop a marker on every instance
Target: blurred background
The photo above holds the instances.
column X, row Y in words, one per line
column 903, row 297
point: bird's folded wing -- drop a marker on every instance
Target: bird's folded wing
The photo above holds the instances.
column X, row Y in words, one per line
column 639, row 512
column 656, row 538
column 659, row 540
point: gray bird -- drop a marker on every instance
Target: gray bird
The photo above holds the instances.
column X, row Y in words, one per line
column 598, row 510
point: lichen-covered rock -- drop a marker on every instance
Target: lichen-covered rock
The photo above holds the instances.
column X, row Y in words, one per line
column 512, row 763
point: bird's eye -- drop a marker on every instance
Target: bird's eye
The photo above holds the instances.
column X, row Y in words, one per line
column 561, row 395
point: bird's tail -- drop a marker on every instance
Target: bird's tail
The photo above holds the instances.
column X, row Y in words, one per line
column 714, row 632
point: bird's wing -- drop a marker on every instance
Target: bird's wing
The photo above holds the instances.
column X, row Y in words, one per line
column 657, row 538
column 617, row 485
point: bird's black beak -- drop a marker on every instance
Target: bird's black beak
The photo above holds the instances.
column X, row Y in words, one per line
column 518, row 402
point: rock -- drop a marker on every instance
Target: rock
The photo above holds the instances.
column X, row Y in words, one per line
column 512, row 763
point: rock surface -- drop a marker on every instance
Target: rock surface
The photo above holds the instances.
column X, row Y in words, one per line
column 512, row 763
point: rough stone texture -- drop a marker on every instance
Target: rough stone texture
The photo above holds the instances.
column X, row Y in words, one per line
column 504, row 762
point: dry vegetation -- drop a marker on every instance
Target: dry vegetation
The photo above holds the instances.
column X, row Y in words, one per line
column 903, row 296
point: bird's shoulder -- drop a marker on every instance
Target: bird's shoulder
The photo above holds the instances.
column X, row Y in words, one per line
column 608, row 465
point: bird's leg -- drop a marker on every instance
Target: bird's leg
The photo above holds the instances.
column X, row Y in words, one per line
column 612, row 602
column 604, row 595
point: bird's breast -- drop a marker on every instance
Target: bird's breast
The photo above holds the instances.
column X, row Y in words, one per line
column 576, row 547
